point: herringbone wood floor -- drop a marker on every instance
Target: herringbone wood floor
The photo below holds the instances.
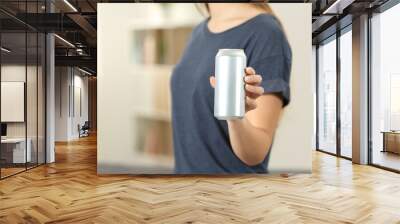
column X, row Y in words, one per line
column 69, row 191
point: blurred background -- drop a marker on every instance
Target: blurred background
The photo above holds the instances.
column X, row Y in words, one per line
column 155, row 37
column 157, row 47
column 137, row 51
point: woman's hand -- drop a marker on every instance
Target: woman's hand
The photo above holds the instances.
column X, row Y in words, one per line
column 251, row 137
column 252, row 87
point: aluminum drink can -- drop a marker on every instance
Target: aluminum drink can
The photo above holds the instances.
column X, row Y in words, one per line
column 229, row 95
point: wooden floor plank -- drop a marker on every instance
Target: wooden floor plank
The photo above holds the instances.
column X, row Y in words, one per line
column 70, row 191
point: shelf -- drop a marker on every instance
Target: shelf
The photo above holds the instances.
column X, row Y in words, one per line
column 154, row 162
column 153, row 114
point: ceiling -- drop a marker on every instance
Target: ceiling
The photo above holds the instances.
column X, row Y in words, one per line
column 76, row 22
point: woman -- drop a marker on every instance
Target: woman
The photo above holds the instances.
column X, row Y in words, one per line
column 203, row 144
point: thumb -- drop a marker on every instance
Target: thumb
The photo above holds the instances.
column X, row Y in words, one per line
column 212, row 81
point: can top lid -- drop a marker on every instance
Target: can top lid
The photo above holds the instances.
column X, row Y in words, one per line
column 231, row 51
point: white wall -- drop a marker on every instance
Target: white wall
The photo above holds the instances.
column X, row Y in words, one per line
column 82, row 83
column 122, row 87
column 293, row 142
column 62, row 81
column 68, row 81
column 13, row 101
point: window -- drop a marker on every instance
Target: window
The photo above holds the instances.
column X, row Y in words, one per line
column 394, row 102
column 385, row 89
column 22, row 77
column 346, row 94
column 327, row 97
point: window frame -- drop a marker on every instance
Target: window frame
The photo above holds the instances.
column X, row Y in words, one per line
column 334, row 37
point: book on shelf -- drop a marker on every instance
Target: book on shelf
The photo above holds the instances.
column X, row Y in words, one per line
column 160, row 46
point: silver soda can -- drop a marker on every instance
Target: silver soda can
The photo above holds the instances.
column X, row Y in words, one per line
column 229, row 95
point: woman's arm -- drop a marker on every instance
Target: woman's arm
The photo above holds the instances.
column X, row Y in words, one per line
column 251, row 137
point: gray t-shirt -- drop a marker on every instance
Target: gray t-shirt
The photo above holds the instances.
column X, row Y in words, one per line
column 201, row 142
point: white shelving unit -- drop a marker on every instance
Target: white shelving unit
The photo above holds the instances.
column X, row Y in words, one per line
column 154, row 138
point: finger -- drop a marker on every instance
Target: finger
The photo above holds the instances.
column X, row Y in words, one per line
column 212, row 81
column 253, row 79
column 251, row 103
column 255, row 90
column 250, row 71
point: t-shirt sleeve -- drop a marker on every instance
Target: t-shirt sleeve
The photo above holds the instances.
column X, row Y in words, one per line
column 275, row 72
column 270, row 55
